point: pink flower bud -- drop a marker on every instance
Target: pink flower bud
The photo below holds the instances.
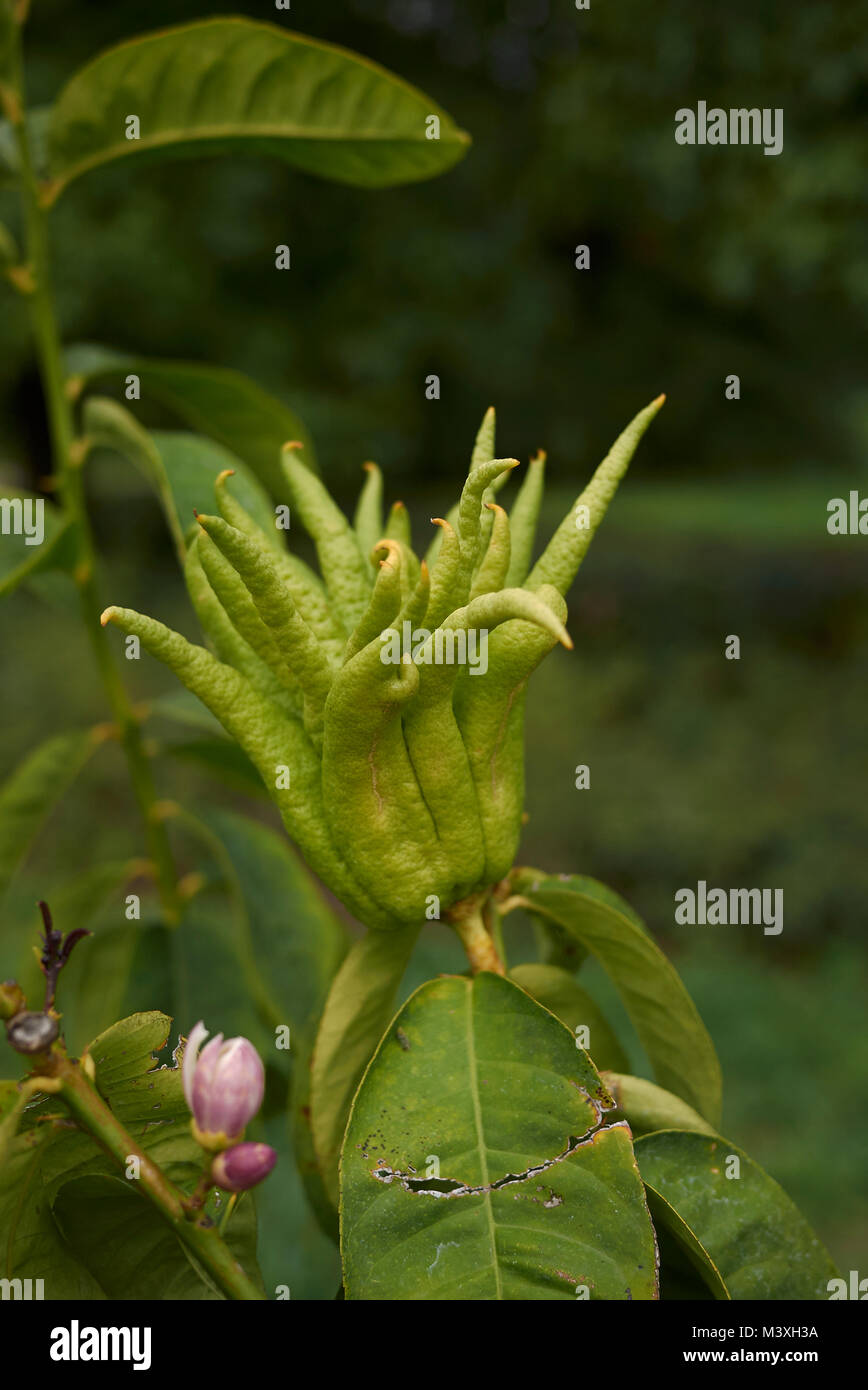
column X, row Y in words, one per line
column 224, row 1086
column 243, row 1166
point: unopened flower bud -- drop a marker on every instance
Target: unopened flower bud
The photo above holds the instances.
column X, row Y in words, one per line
column 243, row 1166
column 12, row 999
column 224, row 1086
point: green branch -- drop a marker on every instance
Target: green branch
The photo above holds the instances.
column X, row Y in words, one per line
column 197, row 1231
column 68, row 458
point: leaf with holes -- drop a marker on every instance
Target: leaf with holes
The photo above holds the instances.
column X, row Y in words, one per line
column 563, row 996
column 479, row 1163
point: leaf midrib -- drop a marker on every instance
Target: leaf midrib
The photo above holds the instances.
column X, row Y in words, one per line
column 480, row 1134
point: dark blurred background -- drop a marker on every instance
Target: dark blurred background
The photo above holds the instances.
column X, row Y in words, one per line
column 704, row 263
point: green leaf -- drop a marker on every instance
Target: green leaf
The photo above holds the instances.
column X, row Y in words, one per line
column 663, row 1014
column 20, row 559
column 647, row 1107
column 292, row 944
column 125, row 1244
column 33, row 789
column 215, row 401
column 357, row 1011
column 182, row 468
column 751, row 1232
column 31, row 1246
column 68, row 1217
column 212, row 974
column 687, row 1271
column 292, row 939
column 222, row 759
column 183, row 707
column 537, row 1195
column 293, row 1248
column 558, row 992
column 221, row 85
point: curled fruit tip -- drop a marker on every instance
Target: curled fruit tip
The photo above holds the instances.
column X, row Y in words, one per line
column 292, row 444
column 107, row 615
column 227, row 473
column 368, row 467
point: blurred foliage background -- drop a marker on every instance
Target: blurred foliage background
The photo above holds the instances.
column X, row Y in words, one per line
column 704, row 262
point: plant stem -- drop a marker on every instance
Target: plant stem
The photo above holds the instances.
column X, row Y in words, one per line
column 68, row 457
column 197, row 1232
column 467, row 919
column 494, row 926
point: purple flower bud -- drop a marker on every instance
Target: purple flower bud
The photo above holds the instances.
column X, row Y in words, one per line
column 224, row 1086
column 243, row 1166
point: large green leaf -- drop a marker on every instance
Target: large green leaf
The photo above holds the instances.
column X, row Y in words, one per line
column 33, row 789
column 122, row 1241
column 293, row 941
column 226, row 84
column 19, row 559
column 31, row 1246
column 537, row 1196
column 757, row 1241
column 181, row 467
column 215, row 401
column 357, row 1011
column 557, row 991
column 90, row 1239
column 663, row 1014
column 213, row 976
